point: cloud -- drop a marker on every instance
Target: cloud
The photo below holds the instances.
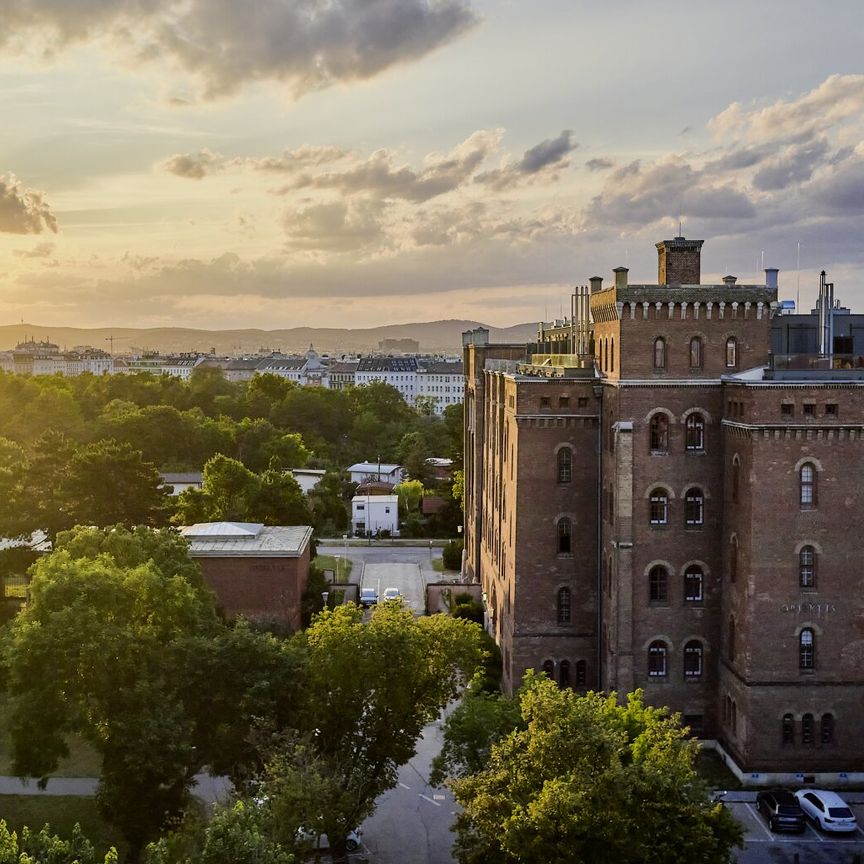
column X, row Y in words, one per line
column 841, row 191
column 599, row 164
column 224, row 44
column 298, row 159
column 794, row 165
column 337, row 226
column 40, row 250
column 546, row 157
column 192, row 166
column 22, row 210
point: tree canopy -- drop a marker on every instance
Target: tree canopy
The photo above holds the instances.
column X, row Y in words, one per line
column 585, row 778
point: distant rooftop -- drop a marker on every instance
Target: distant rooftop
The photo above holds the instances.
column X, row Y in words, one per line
column 246, row 539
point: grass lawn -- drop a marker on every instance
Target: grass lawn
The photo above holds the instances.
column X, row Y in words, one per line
column 340, row 565
column 83, row 761
column 61, row 812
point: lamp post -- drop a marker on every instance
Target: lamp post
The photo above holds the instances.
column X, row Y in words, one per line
column 324, row 596
column 345, row 558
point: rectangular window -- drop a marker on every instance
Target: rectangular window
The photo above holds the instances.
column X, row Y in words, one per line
column 544, row 402
column 808, row 409
column 831, row 409
column 787, row 410
column 582, row 401
column 563, row 401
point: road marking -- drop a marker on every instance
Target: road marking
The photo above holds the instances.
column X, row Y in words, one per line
column 439, row 797
column 429, row 800
column 404, row 786
column 758, row 819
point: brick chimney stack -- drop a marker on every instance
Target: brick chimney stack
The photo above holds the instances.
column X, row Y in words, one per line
column 679, row 261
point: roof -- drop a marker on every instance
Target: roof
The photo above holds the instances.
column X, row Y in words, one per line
column 387, row 364
column 373, row 468
column 344, row 367
column 182, row 477
column 290, row 364
column 246, row 540
column 382, row 499
column 442, row 367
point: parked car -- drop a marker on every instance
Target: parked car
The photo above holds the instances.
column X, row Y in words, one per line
column 321, row 841
column 781, row 810
column 368, row 596
column 392, row 594
column 827, row 809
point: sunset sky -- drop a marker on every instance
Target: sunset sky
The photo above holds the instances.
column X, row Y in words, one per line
column 349, row 163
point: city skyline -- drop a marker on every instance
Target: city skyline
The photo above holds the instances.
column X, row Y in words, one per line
column 356, row 164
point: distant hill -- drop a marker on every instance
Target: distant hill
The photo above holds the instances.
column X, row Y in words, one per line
column 433, row 336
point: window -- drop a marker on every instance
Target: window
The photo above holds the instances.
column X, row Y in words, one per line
column 658, row 585
column 657, row 660
column 807, row 729
column 564, row 673
column 582, row 402
column 693, row 659
column 787, row 409
column 831, row 409
column 807, row 567
column 659, row 505
column 788, row 729
column 565, row 533
column 545, row 402
column 695, row 432
column 730, row 639
column 826, row 729
column 807, row 485
column 694, row 508
column 565, row 465
column 612, row 355
column 806, row 650
column 736, row 478
column 808, row 409
column 659, row 353
column 731, row 352
column 733, row 559
column 549, row 669
column 581, row 673
column 563, row 401
column 659, row 431
column 696, row 353
column 694, row 585
column 563, row 605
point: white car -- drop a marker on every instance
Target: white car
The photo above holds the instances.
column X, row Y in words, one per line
column 392, row 594
column 827, row 809
column 320, row 841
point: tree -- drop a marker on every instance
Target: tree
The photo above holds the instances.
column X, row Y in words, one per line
column 588, row 779
column 35, row 847
column 98, row 651
column 107, row 483
column 371, row 689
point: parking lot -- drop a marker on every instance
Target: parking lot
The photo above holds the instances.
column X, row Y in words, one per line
column 812, row 847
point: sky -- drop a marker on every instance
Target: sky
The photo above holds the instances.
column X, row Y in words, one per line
column 352, row 163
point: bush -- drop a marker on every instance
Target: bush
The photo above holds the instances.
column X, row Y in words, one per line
column 452, row 555
column 473, row 611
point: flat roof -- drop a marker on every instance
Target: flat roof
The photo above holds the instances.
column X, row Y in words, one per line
column 246, row 540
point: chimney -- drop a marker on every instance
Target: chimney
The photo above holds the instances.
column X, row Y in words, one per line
column 679, row 261
column 620, row 277
column 771, row 277
column 729, row 281
column 596, row 283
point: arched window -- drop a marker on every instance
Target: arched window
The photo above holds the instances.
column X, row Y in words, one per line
column 806, row 649
column 694, row 508
column 564, row 673
column 657, row 659
column 581, row 673
column 565, row 465
column 734, row 717
column 696, row 353
column 826, row 729
column 807, row 729
column 658, row 585
column 736, row 478
column 659, row 433
column 565, row 535
column 807, row 485
column 693, row 659
column 731, row 352
column 733, row 559
column 807, row 567
column 694, row 584
column 563, row 605
column 659, row 353
column 659, row 507
column 612, row 354
column 695, row 432
column 605, row 354
column 788, row 729
column 730, row 639
column 549, row 669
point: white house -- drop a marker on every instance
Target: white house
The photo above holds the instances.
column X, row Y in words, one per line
column 385, row 472
column 308, row 478
column 374, row 514
column 441, row 381
column 180, row 481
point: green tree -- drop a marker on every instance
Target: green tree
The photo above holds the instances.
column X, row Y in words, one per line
column 43, row 847
column 107, row 483
column 410, row 494
column 371, row 689
column 588, row 779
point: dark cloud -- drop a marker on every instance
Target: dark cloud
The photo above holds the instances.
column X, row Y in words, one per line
column 599, row 164
column 550, row 152
column 23, row 211
column 192, row 166
column 225, row 44
column 841, row 191
column 795, row 165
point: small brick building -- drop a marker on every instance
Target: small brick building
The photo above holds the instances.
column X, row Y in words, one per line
column 257, row 571
column 653, row 500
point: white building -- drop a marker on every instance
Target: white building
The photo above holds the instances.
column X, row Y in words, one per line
column 361, row 472
column 307, row 478
column 442, row 381
column 375, row 514
column 400, row 372
column 179, row 366
column 180, row 481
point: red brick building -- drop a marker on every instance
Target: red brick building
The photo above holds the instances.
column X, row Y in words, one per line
column 653, row 500
column 257, row 571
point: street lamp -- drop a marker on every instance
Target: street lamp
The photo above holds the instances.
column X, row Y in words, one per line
column 324, row 596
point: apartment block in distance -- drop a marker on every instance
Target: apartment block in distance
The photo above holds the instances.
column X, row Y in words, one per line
column 655, row 500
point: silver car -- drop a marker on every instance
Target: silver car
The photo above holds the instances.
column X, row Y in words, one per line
column 827, row 809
